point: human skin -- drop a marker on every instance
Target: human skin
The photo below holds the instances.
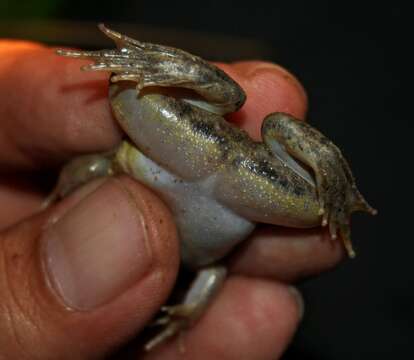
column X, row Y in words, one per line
column 51, row 112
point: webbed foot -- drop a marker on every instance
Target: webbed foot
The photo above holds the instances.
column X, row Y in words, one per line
column 335, row 185
column 179, row 317
column 157, row 65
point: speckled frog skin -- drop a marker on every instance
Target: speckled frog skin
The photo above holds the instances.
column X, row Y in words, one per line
column 216, row 180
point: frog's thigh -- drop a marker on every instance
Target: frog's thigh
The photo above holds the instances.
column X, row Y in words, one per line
column 280, row 132
column 203, row 289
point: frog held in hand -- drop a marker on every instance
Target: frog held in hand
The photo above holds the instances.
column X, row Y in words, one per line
column 217, row 181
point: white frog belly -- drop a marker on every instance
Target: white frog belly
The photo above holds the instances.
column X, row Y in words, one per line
column 207, row 229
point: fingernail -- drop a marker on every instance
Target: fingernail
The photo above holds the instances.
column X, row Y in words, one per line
column 98, row 249
column 299, row 301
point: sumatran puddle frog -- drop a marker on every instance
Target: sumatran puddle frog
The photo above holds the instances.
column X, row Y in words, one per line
column 216, row 180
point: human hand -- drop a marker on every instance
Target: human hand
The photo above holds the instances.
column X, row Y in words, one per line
column 110, row 249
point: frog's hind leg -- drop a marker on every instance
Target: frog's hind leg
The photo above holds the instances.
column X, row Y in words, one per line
column 335, row 185
column 152, row 65
column 178, row 317
column 78, row 172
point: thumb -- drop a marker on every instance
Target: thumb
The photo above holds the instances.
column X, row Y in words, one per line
column 80, row 278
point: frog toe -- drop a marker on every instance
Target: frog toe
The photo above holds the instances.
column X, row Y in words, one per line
column 345, row 233
column 360, row 204
column 333, row 230
column 339, row 229
column 341, row 207
column 177, row 319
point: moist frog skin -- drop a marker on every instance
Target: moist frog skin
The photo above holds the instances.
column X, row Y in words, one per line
column 216, row 180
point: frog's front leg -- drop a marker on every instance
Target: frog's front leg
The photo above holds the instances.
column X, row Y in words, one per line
column 178, row 317
column 80, row 171
column 149, row 65
column 335, row 184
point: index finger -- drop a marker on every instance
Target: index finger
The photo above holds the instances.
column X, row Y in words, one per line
column 52, row 111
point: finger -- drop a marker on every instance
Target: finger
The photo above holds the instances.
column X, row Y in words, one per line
column 249, row 319
column 269, row 88
column 19, row 198
column 80, row 279
column 50, row 110
column 287, row 254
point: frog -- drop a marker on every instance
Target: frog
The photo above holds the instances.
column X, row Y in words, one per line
column 218, row 182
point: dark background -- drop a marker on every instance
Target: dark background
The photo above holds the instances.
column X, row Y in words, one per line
column 352, row 59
